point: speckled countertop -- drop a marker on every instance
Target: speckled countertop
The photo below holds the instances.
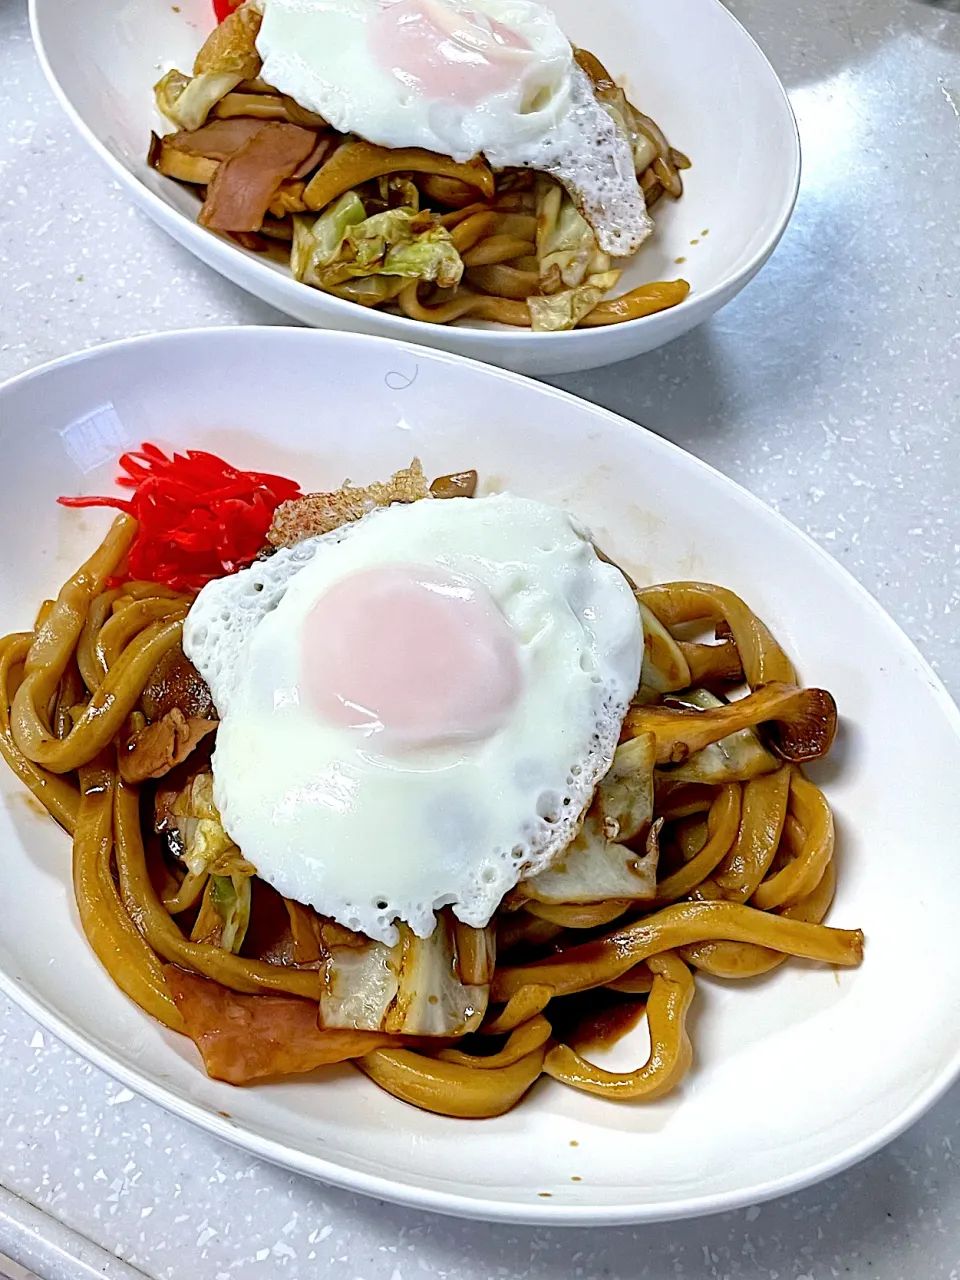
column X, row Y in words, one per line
column 831, row 388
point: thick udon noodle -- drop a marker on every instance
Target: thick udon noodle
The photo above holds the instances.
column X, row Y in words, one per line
column 71, row 688
column 514, row 246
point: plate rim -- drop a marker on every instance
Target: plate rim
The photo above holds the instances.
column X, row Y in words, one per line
column 456, row 1204
column 161, row 213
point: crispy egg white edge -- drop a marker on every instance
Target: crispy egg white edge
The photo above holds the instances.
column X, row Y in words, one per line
column 574, row 138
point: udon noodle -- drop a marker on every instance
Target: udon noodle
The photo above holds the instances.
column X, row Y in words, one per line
column 508, row 247
column 744, row 842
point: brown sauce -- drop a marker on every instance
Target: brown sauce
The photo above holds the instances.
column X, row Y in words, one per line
column 268, row 937
column 609, row 1025
column 30, row 801
column 595, row 1019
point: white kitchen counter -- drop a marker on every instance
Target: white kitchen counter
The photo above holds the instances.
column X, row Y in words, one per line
column 831, row 388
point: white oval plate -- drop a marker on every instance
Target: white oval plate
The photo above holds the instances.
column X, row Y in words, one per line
column 796, row 1075
column 689, row 64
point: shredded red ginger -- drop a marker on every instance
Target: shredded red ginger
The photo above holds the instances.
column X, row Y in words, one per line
column 199, row 517
column 224, row 8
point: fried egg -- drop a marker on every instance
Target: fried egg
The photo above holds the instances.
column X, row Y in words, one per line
column 416, row 708
column 463, row 78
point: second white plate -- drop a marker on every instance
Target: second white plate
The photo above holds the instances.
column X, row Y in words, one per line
column 688, row 63
column 795, row 1075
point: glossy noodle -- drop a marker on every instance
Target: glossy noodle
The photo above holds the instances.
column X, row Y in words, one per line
column 740, row 843
column 403, row 229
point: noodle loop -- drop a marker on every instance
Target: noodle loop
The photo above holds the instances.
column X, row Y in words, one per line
column 740, row 846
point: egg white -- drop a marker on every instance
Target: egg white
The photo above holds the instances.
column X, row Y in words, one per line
column 547, row 118
column 330, row 818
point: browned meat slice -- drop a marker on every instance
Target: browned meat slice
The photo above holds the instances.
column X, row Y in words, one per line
column 160, row 746
column 216, row 140
column 177, row 683
column 325, row 144
column 240, row 193
column 243, row 1038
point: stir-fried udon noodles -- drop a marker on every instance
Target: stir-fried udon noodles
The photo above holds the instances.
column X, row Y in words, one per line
column 405, row 229
column 706, row 851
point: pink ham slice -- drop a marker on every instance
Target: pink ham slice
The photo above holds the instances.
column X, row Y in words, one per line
column 326, row 142
column 243, row 1038
column 245, row 183
column 216, row 140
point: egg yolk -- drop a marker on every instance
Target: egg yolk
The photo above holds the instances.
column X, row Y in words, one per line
column 415, row 654
column 442, row 54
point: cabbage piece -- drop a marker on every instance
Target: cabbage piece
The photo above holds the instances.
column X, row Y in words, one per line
column 318, row 241
column 360, row 985
column 398, row 242
column 560, row 311
column 597, row 865
column 369, row 291
column 397, row 191
column 343, row 246
column 188, row 100
column 736, row 758
column 432, row 999
column 231, row 897
column 191, row 821
column 566, row 245
column 168, row 91
column 665, row 669
column 224, row 912
column 413, row 988
column 205, row 841
column 595, row 869
column 624, row 797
